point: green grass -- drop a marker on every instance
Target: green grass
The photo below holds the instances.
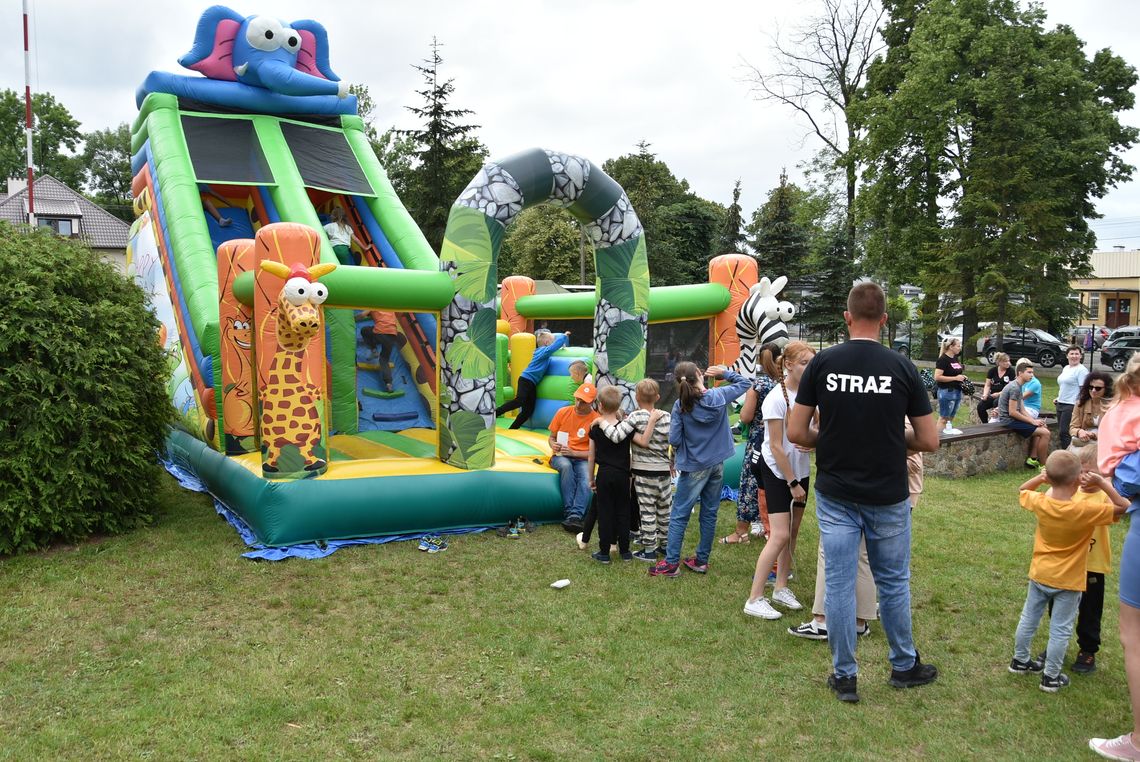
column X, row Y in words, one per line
column 165, row 643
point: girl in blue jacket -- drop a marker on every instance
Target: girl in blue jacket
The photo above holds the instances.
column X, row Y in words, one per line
column 702, row 443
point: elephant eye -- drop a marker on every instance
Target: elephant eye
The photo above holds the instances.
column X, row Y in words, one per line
column 291, row 40
column 266, row 33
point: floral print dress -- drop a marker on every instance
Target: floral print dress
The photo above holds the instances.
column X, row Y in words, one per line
column 748, row 503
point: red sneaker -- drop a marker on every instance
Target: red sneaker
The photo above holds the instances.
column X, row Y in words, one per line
column 664, row 569
column 692, row 564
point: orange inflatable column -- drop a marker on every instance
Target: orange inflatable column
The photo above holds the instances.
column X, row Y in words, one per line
column 234, row 396
column 514, row 287
column 289, row 351
column 738, row 273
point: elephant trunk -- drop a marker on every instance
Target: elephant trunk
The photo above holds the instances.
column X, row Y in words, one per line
column 282, row 78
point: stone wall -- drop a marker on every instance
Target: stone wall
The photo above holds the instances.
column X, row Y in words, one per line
column 981, row 449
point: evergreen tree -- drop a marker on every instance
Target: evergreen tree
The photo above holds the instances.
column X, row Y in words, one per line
column 777, row 235
column 732, row 237
column 823, row 305
column 446, row 153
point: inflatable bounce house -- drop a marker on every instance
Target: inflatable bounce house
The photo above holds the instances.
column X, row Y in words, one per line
column 286, row 415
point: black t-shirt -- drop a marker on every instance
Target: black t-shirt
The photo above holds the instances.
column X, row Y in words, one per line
column 863, row 392
column 606, row 453
column 998, row 382
column 950, row 366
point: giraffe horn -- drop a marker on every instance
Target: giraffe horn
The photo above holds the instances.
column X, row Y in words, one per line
column 317, row 271
column 275, row 268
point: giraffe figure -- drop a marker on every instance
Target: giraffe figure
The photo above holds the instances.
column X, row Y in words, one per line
column 290, row 407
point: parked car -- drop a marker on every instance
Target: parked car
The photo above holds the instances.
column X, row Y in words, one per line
column 1079, row 333
column 1115, row 352
column 901, row 344
column 1124, row 330
column 1041, row 346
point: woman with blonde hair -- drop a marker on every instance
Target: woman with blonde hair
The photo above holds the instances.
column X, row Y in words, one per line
column 949, row 373
column 784, row 471
column 996, row 379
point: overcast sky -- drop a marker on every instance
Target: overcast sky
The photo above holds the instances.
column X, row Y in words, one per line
column 591, row 77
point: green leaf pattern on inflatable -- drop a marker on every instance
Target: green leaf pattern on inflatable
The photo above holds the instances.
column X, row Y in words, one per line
column 471, row 241
column 626, row 350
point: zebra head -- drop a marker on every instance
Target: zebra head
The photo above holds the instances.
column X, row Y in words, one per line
column 762, row 319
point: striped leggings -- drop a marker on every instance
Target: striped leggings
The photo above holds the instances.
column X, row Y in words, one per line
column 654, row 491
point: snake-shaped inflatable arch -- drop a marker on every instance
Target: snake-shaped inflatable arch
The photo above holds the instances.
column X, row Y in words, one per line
column 470, row 251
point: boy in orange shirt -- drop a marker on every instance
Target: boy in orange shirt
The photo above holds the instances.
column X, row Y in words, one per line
column 1065, row 524
column 570, row 444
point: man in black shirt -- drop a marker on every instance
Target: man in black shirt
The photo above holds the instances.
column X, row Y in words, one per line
column 864, row 391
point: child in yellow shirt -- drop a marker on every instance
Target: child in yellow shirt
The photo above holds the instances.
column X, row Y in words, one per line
column 1099, row 564
column 1057, row 574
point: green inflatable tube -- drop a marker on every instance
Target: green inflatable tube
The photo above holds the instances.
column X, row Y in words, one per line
column 666, row 304
column 374, row 288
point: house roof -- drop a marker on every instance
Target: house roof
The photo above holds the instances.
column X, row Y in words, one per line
column 99, row 228
column 1116, row 263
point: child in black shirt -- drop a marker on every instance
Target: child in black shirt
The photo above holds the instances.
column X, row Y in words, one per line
column 612, row 480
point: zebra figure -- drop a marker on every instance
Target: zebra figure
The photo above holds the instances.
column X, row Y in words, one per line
column 762, row 319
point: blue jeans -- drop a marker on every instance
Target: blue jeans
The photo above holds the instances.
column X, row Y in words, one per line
column 949, row 401
column 1065, row 606
column 887, row 530
column 575, row 476
column 691, row 486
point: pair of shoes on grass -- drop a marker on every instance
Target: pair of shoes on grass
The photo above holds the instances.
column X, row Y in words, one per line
column 604, row 558
column 432, row 543
column 665, row 569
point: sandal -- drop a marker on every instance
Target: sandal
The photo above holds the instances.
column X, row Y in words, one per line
column 741, row 539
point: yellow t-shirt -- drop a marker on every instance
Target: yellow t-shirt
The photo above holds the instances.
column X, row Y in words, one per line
column 1061, row 542
column 1100, row 548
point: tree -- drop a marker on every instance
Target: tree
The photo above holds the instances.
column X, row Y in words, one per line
column 819, row 74
column 989, row 139
column 55, row 138
column 822, row 307
column 781, row 241
column 446, row 153
column 544, row 242
column 107, row 159
column 681, row 229
column 732, row 237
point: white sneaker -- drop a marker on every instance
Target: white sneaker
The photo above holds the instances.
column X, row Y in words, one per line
column 761, row 608
column 581, row 544
column 786, row 598
column 757, row 529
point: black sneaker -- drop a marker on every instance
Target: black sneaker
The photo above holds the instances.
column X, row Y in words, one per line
column 1054, row 684
column 1025, row 667
column 626, row 556
column 845, row 688
column 573, row 526
column 919, row 674
column 1085, row 663
column 648, row 554
column 602, row 558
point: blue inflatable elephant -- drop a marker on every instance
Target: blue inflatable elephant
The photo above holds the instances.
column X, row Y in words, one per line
column 262, row 51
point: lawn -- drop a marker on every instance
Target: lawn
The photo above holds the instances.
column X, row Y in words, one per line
column 165, row 643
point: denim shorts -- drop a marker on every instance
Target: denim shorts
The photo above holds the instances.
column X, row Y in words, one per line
column 1021, row 427
column 1130, row 565
column 949, row 401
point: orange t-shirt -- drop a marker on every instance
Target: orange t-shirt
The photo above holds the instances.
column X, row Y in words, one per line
column 1061, row 543
column 576, row 424
column 383, row 321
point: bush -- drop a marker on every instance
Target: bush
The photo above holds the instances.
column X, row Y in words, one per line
column 83, row 402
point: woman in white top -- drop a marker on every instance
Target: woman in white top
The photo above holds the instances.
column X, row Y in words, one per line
column 1069, row 383
column 341, row 237
column 784, row 471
